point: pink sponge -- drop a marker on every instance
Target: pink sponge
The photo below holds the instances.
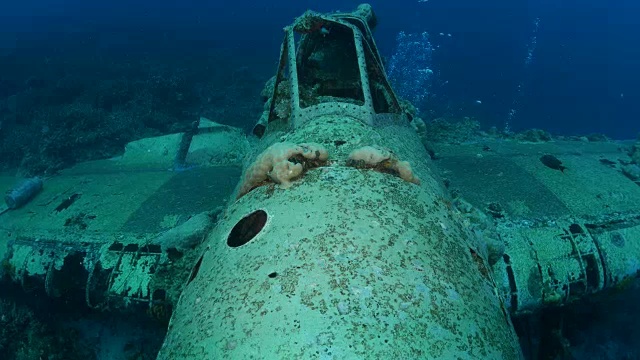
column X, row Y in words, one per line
column 275, row 164
column 384, row 160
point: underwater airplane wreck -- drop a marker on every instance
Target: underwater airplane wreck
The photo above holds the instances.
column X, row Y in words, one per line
column 330, row 232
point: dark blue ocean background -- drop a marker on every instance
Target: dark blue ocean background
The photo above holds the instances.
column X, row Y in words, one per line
column 582, row 78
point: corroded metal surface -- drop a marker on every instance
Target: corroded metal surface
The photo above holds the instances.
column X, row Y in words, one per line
column 350, row 264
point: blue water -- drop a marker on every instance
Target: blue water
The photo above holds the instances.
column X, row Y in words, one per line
column 581, row 79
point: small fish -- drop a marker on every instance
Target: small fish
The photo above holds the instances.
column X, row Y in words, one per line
column 552, row 162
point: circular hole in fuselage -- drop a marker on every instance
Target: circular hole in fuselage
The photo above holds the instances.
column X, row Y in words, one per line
column 247, row 228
